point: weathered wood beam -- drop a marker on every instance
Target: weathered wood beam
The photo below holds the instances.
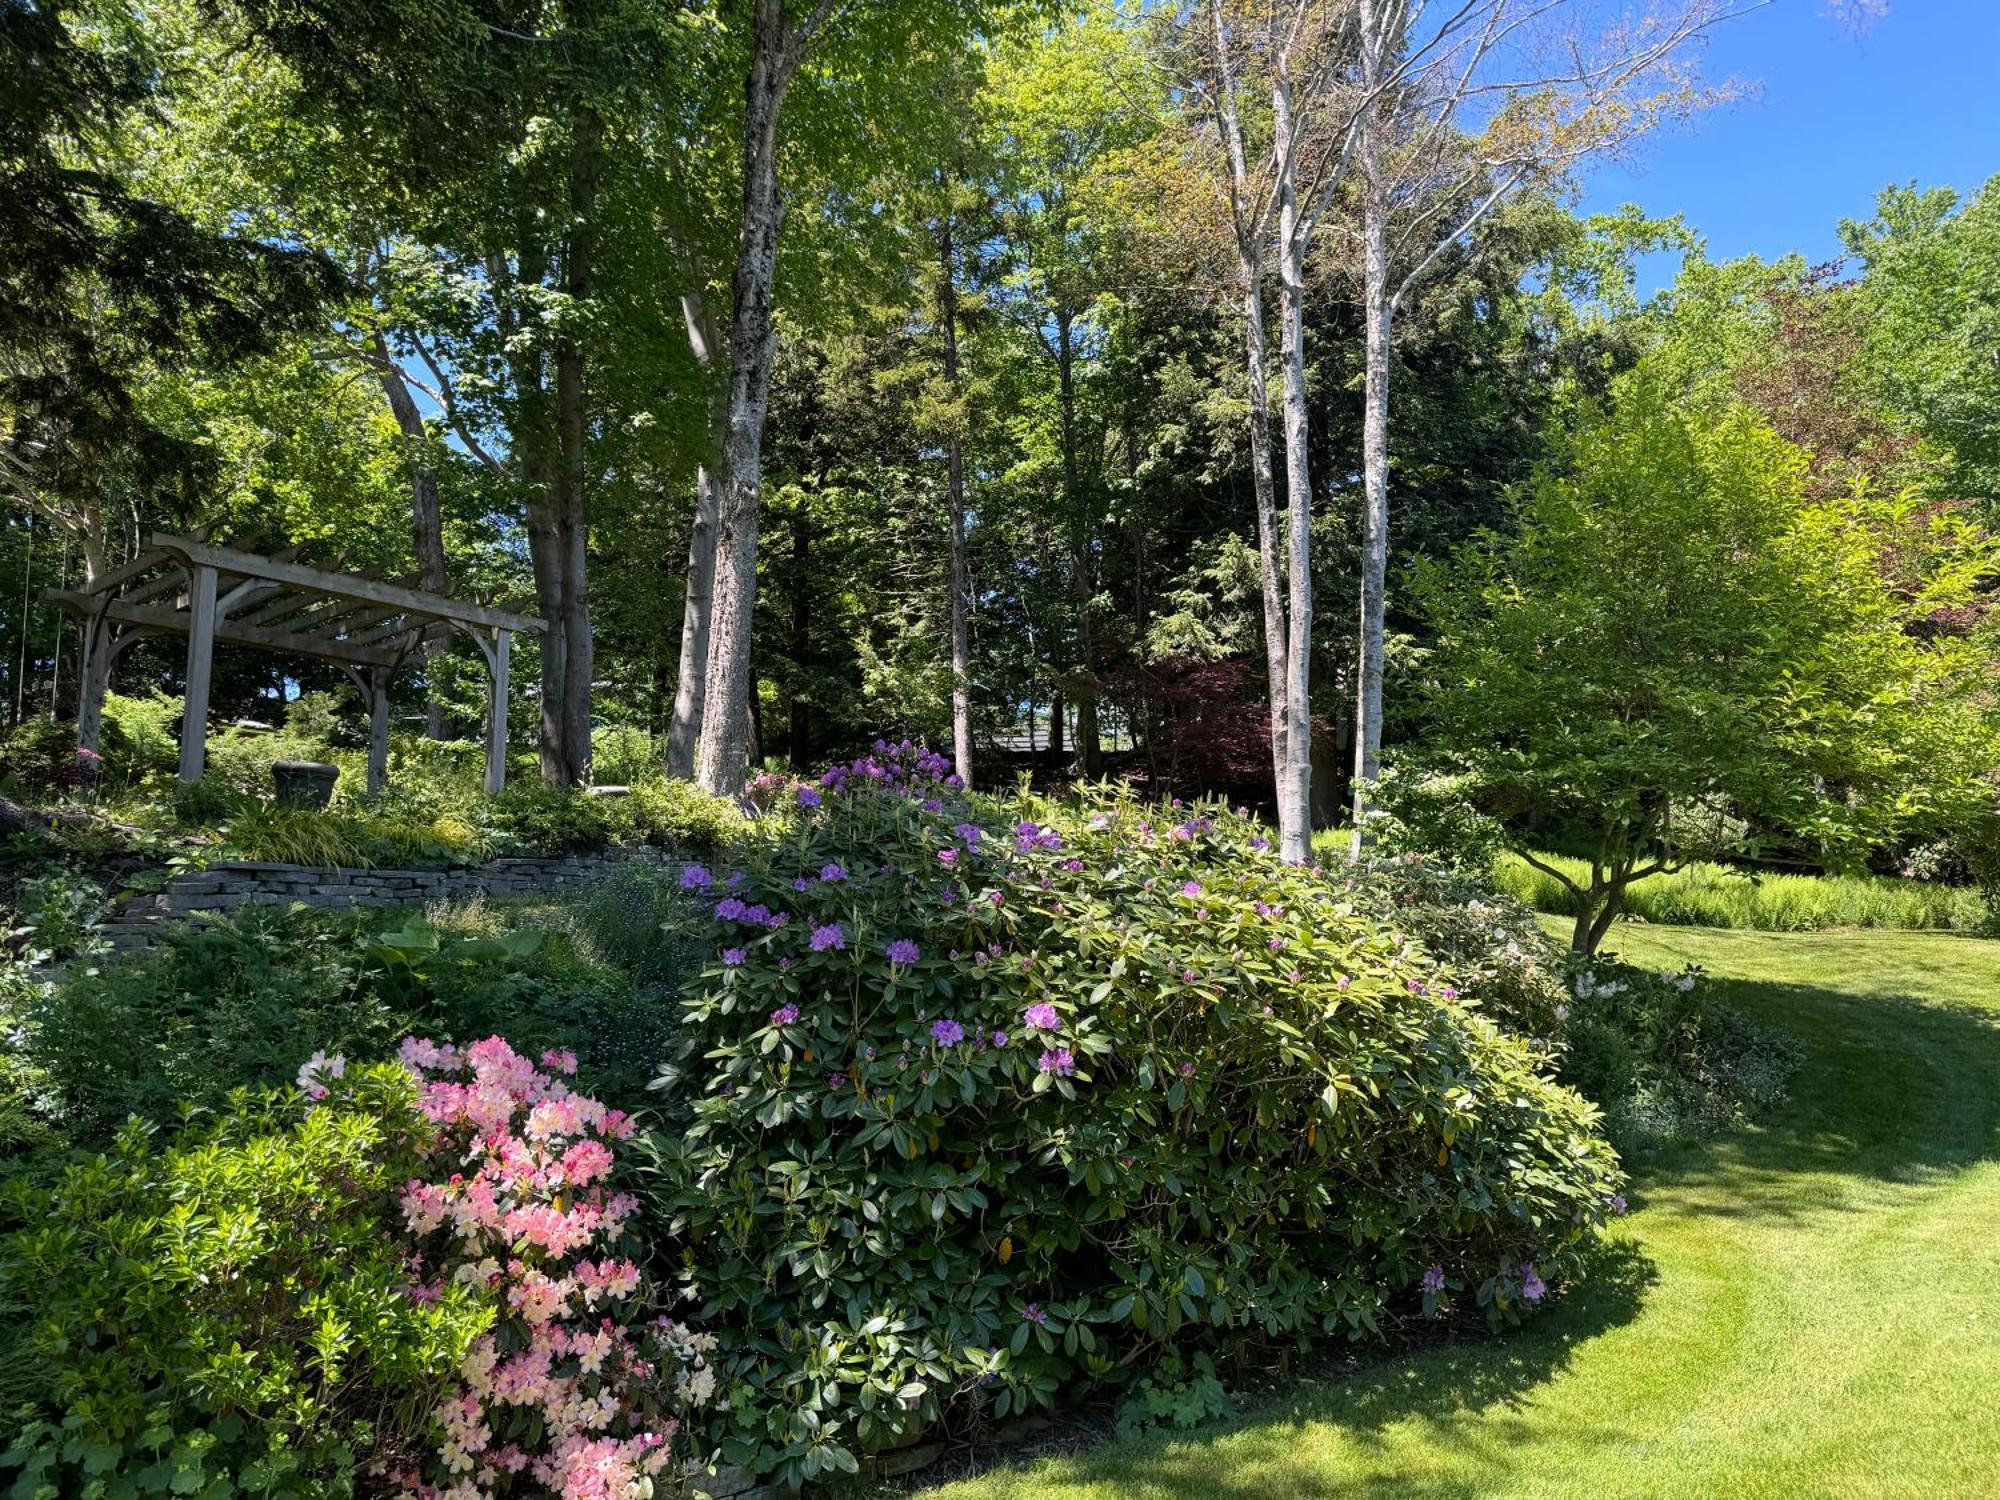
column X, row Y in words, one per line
column 200, row 662
column 340, row 585
column 231, row 632
column 496, row 714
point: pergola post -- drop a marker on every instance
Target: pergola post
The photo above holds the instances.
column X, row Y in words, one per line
column 378, row 729
column 496, row 714
column 200, row 661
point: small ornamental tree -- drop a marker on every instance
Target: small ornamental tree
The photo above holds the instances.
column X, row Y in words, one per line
column 999, row 1099
column 1673, row 642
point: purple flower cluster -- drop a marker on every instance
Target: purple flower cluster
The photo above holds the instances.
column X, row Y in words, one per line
column 947, row 1032
column 1434, row 1280
column 834, row 873
column 903, row 951
column 785, row 1014
column 733, row 956
column 1532, row 1286
column 808, row 797
column 694, row 878
column 1042, row 1017
column 1029, row 837
column 832, row 935
column 1061, row 1062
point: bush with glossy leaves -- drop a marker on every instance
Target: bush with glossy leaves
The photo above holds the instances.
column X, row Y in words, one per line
column 997, row 1100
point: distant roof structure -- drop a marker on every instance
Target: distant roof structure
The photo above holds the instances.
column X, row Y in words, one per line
column 182, row 586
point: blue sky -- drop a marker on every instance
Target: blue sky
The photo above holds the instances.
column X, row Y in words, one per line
column 1832, row 116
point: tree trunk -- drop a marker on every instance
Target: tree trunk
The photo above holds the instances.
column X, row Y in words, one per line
column 691, row 684
column 1295, row 778
column 1374, row 460
column 572, row 515
column 1080, row 588
column 961, row 601
column 426, row 517
column 723, row 753
column 798, row 716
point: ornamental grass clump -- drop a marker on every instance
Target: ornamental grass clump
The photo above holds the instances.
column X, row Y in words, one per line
column 995, row 1101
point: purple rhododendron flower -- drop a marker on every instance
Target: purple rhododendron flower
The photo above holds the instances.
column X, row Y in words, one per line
column 1449, row 991
column 1260, row 844
column 808, row 797
column 730, row 909
column 694, row 877
column 1617, row 1204
column 999, row 1038
column 948, row 857
column 996, row 898
column 903, row 951
column 1532, row 1286
column 833, row 873
column 785, row 1014
column 1187, row 1069
column 1042, row 1017
column 832, row 935
column 947, row 1032
column 1192, row 889
column 733, row 956
column 836, row 1080
column 1033, row 1313
column 969, row 834
column 1434, row 1280
column 1059, row 1062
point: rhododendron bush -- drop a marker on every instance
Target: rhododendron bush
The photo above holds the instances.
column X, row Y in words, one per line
column 993, row 1099
column 412, row 1275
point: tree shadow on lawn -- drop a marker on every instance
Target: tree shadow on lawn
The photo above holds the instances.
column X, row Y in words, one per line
column 1892, row 1091
column 1459, row 1390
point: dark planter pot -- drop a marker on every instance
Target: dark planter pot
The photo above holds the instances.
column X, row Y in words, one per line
column 304, row 783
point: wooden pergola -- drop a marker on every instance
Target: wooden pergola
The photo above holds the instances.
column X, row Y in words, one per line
column 184, row 587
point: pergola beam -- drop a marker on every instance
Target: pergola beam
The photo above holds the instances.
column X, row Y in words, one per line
column 339, row 585
column 231, row 632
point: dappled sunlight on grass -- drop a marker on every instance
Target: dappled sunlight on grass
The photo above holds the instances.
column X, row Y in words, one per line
column 1808, row 1307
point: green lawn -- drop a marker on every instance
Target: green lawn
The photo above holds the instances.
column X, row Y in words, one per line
column 1810, row 1308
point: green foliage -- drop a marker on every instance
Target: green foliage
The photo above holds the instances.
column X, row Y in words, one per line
column 1711, row 895
column 207, row 1011
column 1673, row 634
column 242, row 1001
column 1179, row 1394
column 296, row 835
column 1667, row 1065
column 899, row 1197
column 225, row 1315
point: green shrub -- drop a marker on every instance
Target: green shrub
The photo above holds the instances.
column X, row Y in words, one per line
column 552, row 820
column 227, row 1314
column 1710, row 895
column 1133, row 1085
column 36, row 756
column 240, row 1002
column 680, row 815
column 1665, row 1063
column 141, row 737
column 203, row 1013
column 623, row 755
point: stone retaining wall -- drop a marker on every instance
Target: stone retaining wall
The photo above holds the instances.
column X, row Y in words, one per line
column 230, row 884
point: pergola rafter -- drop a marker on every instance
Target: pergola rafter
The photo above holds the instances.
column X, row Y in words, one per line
column 208, row 594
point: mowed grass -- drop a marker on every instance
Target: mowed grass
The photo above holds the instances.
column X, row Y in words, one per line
column 1706, row 895
column 1808, row 1308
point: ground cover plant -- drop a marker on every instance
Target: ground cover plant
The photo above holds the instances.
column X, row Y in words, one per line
column 1803, row 1308
column 1703, row 894
column 990, row 1101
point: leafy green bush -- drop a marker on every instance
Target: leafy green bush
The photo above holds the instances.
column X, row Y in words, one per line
column 239, row 1003
column 1665, row 1063
column 226, row 1315
column 297, row 836
column 35, row 757
column 998, row 1102
column 203, row 1013
column 1709, row 895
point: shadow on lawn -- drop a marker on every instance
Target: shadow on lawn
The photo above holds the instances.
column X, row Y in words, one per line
column 1893, row 1091
column 1461, row 1390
